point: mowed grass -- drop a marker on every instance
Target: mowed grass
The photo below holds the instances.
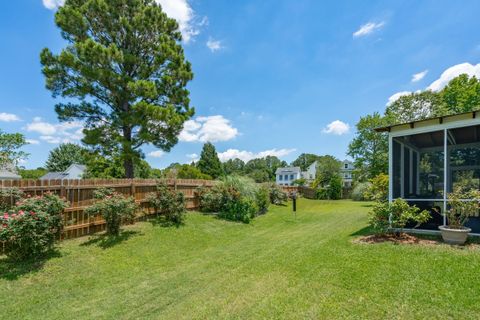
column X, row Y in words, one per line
column 277, row 267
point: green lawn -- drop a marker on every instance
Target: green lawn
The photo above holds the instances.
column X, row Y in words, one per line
column 276, row 267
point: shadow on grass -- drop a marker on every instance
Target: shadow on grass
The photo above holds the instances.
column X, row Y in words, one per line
column 12, row 270
column 365, row 231
column 160, row 221
column 105, row 241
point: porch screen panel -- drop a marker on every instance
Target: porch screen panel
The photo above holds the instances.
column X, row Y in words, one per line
column 396, row 168
column 418, row 165
column 464, row 163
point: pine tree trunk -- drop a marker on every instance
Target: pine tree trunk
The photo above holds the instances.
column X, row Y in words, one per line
column 128, row 165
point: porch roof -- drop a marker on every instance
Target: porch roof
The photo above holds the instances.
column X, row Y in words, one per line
column 430, row 121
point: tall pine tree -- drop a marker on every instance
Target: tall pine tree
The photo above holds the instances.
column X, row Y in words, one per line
column 209, row 162
column 123, row 73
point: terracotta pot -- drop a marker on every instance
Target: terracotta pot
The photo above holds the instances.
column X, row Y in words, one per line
column 454, row 236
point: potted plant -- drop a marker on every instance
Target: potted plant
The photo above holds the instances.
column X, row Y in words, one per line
column 462, row 205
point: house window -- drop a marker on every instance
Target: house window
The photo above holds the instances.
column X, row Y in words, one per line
column 286, row 177
column 346, row 165
column 291, row 177
column 280, row 177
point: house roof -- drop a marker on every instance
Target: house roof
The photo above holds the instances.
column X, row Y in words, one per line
column 412, row 124
column 287, row 170
column 53, row 176
column 65, row 174
column 5, row 174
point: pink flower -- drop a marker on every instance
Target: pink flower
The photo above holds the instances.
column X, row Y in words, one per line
column 21, row 212
column 32, row 213
column 5, row 215
column 29, row 196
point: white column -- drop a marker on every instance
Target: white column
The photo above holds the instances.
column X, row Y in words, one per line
column 445, row 158
column 390, row 174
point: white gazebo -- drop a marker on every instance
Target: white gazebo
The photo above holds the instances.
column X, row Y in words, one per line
column 427, row 158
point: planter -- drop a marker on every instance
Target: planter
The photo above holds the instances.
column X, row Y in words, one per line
column 454, row 236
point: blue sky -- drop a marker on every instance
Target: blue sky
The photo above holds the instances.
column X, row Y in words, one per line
column 271, row 77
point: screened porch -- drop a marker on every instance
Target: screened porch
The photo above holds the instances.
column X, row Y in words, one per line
column 427, row 162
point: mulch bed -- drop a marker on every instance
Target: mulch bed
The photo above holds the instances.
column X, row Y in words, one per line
column 405, row 238
column 402, row 238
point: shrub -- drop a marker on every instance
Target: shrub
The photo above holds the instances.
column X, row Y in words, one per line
column 114, row 207
column 26, row 235
column 262, row 199
column 388, row 216
column 235, row 198
column 50, row 204
column 169, row 203
column 358, row 192
column 321, row 193
column 377, row 190
column 277, row 195
column 334, row 188
column 8, row 198
column 239, row 209
column 210, row 198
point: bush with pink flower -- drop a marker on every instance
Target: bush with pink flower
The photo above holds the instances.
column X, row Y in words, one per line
column 48, row 203
column 26, row 234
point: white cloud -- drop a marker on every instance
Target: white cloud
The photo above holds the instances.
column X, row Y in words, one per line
column 181, row 11
column 214, row 45
column 453, row 72
column 419, row 76
column 337, row 127
column 53, row 4
column 248, row 155
column 156, row 154
column 8, row 117
column 56, row 133
column 32, row 141
column 208, row 129
column 396, row 96
column 368, row 28
column 193, row 157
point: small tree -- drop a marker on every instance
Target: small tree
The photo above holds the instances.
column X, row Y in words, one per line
column 209, row 162
column 335, row 188
column 378, row 188
column 10, row 143
column 64, row 156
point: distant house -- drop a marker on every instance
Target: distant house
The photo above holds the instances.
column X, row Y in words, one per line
column 346, row 172
column 286, row 176
column 311, row 172
column 8, row 172
column 75, row 171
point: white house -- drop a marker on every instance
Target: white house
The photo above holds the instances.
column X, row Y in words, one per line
column 286, row 176
column 346, row 172
column 310, row 173
column 75, row 171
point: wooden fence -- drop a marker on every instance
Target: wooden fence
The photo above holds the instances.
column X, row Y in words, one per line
column 79, row 194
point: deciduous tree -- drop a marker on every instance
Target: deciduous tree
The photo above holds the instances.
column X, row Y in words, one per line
column 10, row 143
column 63, row 156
